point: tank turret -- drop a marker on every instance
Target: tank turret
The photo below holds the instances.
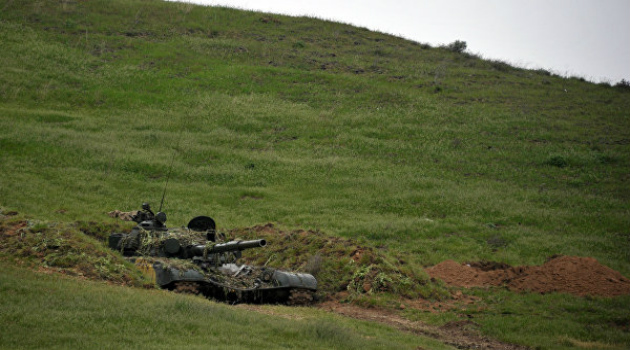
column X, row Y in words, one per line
column 196, row 259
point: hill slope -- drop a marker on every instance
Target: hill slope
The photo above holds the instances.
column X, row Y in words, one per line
column 425, row 153
column 431, row 144
column 72, row 315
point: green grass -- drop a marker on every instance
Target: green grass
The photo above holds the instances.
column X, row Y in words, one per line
column 47, row 311
column 553, row 321
column 309, row 124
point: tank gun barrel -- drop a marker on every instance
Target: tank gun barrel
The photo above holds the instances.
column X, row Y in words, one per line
column 199, row 250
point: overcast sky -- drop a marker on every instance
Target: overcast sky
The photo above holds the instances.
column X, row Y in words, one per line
column 586, row 38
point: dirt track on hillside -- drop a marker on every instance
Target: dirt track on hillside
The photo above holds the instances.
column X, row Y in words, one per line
column 463, row 334
column 564, row 274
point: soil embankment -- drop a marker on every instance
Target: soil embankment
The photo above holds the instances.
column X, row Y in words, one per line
column 564, row 274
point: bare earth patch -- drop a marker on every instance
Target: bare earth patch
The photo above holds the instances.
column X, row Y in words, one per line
column 564, row 274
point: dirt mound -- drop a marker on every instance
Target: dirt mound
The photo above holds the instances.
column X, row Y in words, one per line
column 564, row 274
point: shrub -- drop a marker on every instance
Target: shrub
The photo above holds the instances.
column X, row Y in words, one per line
column 458, row 46
column 558, row 161
column 269, row 19
column 500, row 66
column 623, row 84
column 606, row 159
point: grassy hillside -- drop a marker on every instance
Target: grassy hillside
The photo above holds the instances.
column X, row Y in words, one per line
column 426, row 153
column 72, row 315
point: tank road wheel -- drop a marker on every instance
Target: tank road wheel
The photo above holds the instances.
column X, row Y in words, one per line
column 300, row 297
column 187, row 288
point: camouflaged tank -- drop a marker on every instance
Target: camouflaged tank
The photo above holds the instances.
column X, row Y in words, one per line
column 196, row 259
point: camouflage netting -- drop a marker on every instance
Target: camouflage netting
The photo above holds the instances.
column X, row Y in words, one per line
column 339, row 264
column 241, row 276
column 123, row 215
column 65, row 248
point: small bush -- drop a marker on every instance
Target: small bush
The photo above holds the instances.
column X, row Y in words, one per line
column 606, row 159
column 458, row 46
column 623, row 84
column 580, row 79
column 269, row 19
column 557, row 161
column 500, row 66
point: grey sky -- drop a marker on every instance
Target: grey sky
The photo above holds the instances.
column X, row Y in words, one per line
column 587, row 38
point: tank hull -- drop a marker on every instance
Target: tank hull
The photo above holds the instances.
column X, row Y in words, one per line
column 283, row 287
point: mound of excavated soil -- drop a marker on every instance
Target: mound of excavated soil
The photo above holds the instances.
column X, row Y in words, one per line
column 564, row 274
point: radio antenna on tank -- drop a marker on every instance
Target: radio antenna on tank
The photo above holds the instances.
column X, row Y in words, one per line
column 170, row 169
column 166, row 185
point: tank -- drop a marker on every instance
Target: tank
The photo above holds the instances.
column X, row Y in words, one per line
column 196, row 259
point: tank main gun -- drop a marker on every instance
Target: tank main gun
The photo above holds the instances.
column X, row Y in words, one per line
column 233, row 246
column 172, row 247
column 136, row 244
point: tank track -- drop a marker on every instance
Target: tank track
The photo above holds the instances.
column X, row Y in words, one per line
column 301, row 297
column 296, row 296
column 187, row 288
